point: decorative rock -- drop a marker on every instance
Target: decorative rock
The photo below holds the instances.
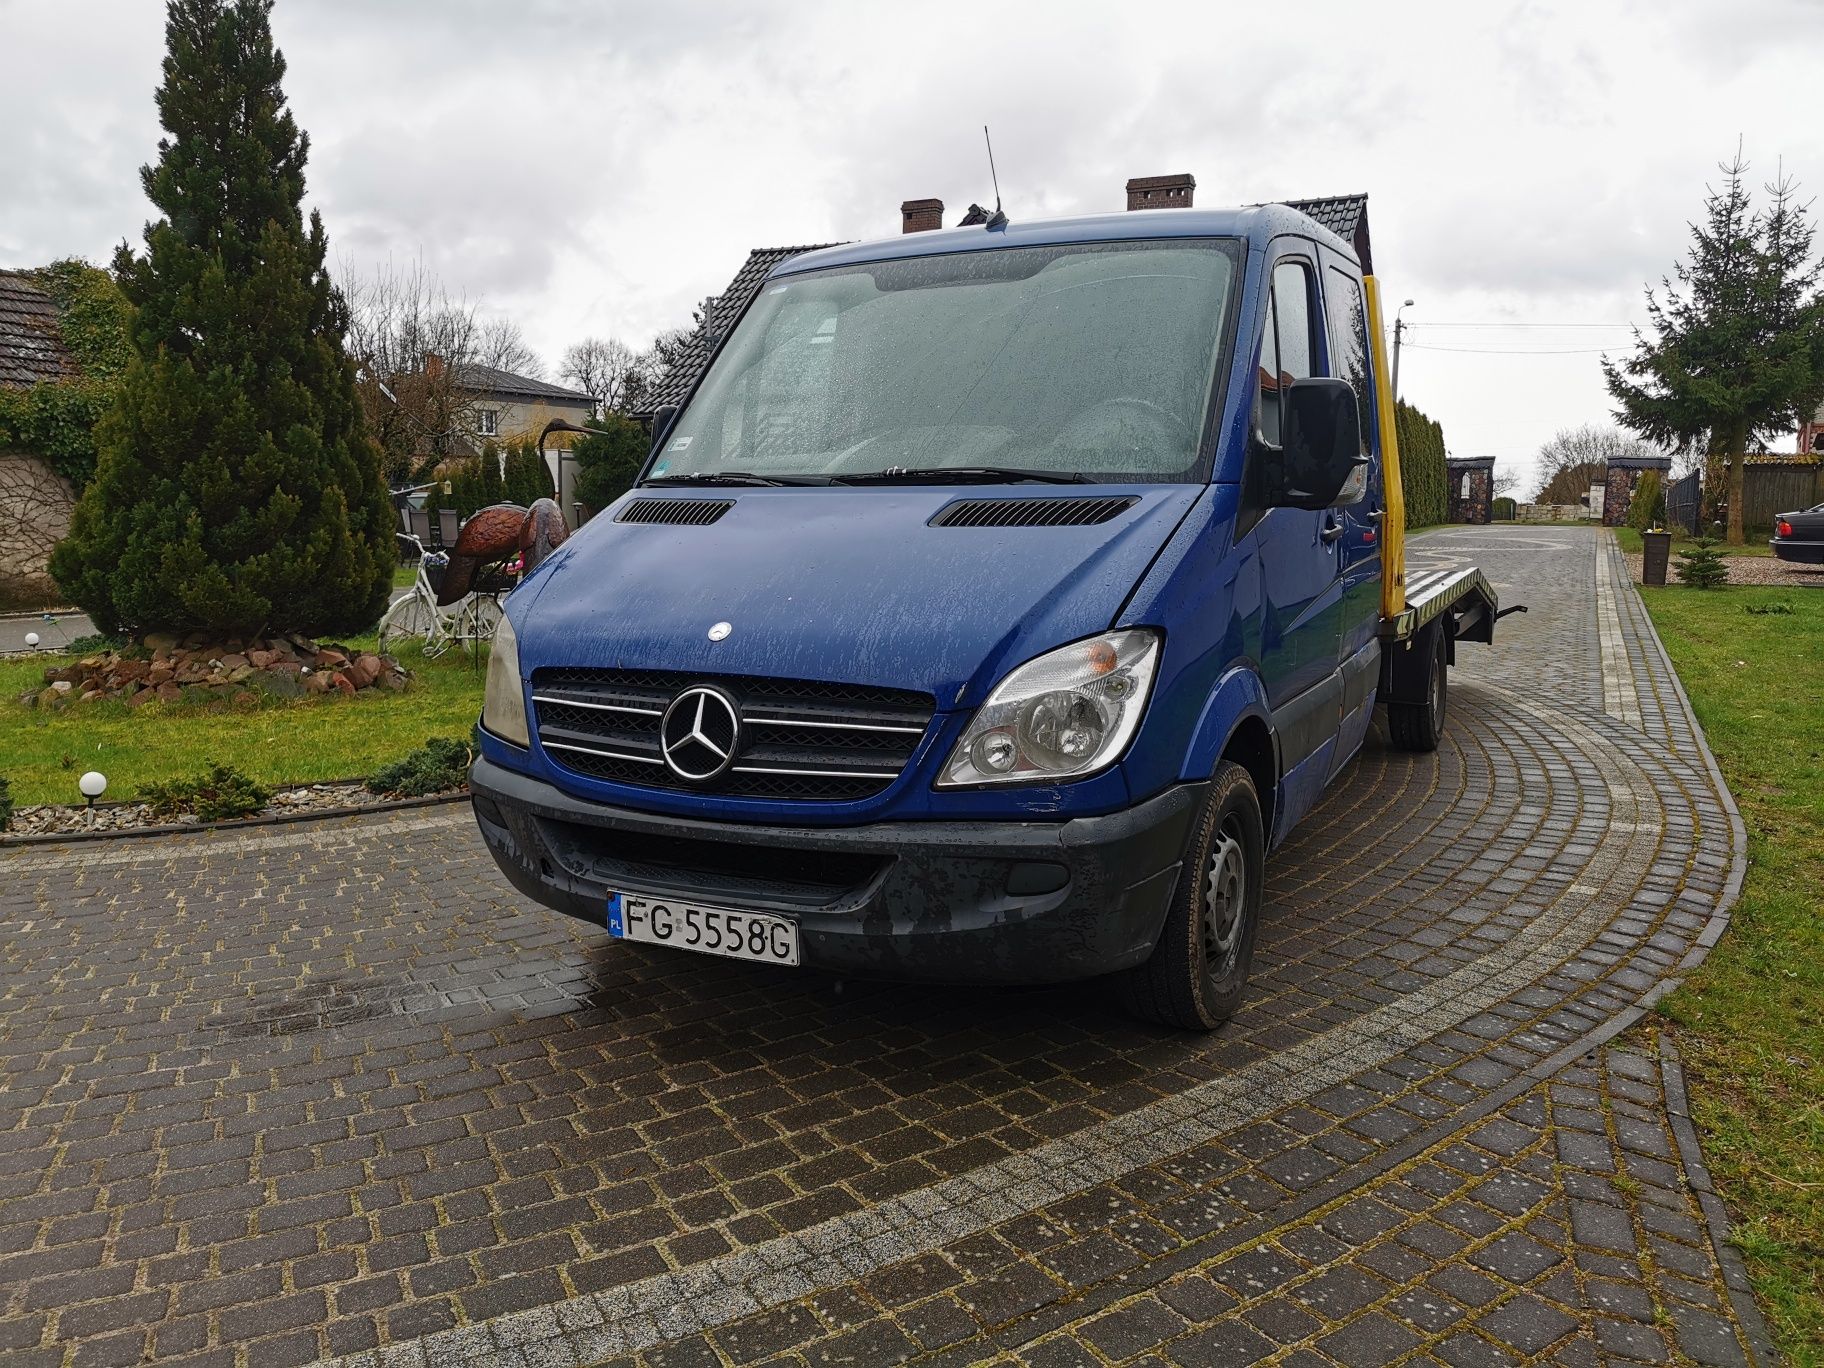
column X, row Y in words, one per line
column 281, row 683
column 201, row 671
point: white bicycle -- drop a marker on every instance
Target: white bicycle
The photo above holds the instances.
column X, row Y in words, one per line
column 470, row 620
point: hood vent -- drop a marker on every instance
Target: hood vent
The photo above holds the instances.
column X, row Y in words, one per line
column 1032, row 512
column 675, row 512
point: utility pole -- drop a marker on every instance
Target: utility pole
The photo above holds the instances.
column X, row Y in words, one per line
column 1398, row 328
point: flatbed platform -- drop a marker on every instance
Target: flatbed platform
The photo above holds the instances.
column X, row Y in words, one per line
column 1464, row 593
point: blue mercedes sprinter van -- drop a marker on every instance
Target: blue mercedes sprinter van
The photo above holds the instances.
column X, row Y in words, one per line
column 994, row 604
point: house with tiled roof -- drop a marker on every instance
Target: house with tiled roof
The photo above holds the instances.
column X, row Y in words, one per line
column 1344, row 215
column 35, row 501
column 719, row 316
column 31, row 342
column 511, row 408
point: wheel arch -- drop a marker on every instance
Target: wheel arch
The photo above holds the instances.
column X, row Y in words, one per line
column 1237, row 725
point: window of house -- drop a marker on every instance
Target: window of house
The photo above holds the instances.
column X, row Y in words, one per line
column 487, row 422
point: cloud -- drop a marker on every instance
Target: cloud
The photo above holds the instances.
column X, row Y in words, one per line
column 598, row 168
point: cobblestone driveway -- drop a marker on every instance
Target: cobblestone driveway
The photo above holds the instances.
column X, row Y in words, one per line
column 332, row 1091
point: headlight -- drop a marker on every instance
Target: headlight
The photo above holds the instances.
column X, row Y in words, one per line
column 1064, row 715
column 503, row 704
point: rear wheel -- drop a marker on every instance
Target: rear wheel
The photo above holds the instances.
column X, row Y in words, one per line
column 1198, row 972
column 1418, row 724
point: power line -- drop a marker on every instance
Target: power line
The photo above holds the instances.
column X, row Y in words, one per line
column 1513, row 351
column 1430, row 324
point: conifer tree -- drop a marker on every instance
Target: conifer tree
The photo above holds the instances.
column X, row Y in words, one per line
column 236, row 488
column 1737, row 351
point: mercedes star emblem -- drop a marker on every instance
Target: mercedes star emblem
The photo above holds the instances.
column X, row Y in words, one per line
column 699, row 734
column 720, row 631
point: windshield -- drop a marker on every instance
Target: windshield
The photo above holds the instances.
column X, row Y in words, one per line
column 1093, row 361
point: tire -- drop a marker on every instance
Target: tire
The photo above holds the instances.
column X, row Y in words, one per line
column 1198, row 972
column 1420, row 726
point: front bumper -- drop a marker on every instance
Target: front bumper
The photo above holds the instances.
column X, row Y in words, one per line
column 961, row 902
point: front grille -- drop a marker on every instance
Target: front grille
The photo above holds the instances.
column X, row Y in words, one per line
column 1065, row 512
column 800, row 739
column 709, row 869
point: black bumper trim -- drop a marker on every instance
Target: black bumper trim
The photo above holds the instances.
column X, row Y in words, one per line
column 942, row 902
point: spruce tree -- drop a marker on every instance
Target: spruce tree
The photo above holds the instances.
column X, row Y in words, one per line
column 1737, row 351
column 236, row 487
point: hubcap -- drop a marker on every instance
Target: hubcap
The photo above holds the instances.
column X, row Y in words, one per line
column 1225, row 897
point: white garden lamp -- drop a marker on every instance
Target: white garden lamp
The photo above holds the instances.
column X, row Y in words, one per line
column 31, row 640
column 93, row 785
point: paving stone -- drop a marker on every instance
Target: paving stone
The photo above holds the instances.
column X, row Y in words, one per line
column 1526, row 1324
column 456, row 1120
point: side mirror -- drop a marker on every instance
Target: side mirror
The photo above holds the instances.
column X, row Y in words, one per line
column 1321, row 456
column 662, row 418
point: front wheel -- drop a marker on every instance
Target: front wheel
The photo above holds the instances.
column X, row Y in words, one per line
column 1198, row 971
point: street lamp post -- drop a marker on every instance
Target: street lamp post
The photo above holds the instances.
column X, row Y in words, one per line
column 1398, row 328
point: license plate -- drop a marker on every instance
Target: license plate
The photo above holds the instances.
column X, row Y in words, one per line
column 710, row 930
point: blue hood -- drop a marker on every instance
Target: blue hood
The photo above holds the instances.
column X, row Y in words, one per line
column 846, row 585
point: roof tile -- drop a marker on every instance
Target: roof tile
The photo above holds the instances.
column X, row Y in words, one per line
column 31, row 347
column 724, row 309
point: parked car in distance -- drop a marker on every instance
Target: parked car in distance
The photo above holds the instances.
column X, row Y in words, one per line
column 1800, row 536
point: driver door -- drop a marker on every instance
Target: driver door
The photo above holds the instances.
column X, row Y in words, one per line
column 1301, row 628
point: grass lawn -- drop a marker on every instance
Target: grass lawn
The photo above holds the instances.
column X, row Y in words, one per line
column 1750, row 1022
column 279, row 742
column 1755, row 546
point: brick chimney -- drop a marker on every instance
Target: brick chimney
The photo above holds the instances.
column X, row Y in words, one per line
column 922, row 215
column 433, row 365
column 1161, row 192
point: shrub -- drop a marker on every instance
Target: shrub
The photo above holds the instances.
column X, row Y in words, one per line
column 1647, row 508
column 608, row 461
column 1505, row 509
column 527, row 478
column 236, row 488
column 1701, row 565
column 97, row 641
column 438, row 766
column 6, row 804
column 219, row 794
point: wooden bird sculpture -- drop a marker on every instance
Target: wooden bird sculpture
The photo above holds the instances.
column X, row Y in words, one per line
column 496, row 533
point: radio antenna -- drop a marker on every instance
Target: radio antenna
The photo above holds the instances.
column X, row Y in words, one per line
column 998, row 219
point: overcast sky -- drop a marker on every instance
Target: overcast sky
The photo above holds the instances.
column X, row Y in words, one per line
column 596, row 168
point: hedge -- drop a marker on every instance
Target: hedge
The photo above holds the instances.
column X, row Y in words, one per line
column 1423, row 477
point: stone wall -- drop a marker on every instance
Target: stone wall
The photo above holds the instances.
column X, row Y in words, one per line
column 35, row 507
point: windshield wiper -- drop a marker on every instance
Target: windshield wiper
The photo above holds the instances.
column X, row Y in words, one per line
column 734, row 477
column 962, row 475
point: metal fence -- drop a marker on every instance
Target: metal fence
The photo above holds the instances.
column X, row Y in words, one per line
column 1767, row 492
column 1684, row 499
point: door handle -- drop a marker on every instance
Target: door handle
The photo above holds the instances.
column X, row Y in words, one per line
column 1332, row 529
